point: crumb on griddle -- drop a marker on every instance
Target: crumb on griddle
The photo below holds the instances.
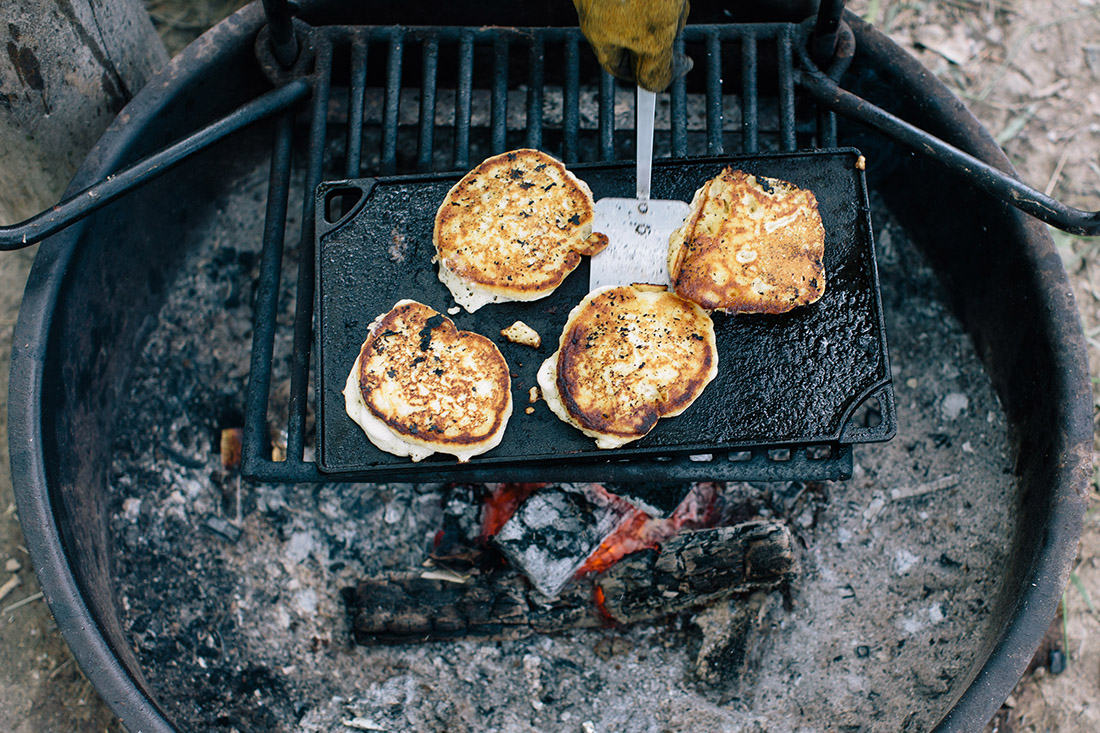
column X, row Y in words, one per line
column 520, row 333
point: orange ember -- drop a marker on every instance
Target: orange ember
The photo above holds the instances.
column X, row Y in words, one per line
column 643, row 532
column 502, row 503
column 630, row 536
column 601, row 604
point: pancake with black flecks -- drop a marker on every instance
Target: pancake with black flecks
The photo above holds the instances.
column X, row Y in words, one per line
column 751, row 244
column 628, row 356
column 420, row 386
column 512, row 229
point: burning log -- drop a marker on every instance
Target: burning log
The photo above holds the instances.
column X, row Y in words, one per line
column 696, row 568
column 693, row 569
column 401, row 609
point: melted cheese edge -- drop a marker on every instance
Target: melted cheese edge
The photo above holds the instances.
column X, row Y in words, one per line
column 471, row 296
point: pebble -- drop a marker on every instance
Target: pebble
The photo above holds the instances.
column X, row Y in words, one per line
column 306, row 600
column 954, row 404
column 131, row 508
column 222, row 528
column 12, row 565
column 904, row 560
column 300, row 546
column 532, row 671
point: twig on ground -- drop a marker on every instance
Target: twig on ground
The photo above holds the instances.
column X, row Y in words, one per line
column 57, row 670
column 1015, row 126
column 19, row 604
column 12, row 583
column 909, row 492
column 1057, row 170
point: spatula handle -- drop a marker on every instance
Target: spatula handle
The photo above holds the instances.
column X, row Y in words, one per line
column 647, row 111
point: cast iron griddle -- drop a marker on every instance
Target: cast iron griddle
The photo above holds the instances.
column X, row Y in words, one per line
column 790, row 379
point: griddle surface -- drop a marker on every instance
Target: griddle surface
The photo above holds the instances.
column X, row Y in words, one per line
column 789, row 379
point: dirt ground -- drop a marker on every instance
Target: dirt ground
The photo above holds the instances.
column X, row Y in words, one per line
column 1029, row 69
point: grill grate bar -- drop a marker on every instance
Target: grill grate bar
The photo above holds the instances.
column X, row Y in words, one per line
column 786, row 93
column 429, row 61
column 535, row 95
column 356, row 97
column 267, row 297
column 714, row 94
column 462, row 100
column 749, row 121
column 607, row 116
column 678, row 109
column 826, row 128
column 388, row 164
column 500, row 95
column 303, row 304
column 571, row 108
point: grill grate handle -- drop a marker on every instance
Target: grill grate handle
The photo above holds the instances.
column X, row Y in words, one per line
column 998, row 183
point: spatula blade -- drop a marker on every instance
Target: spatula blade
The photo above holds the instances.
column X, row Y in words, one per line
column 637, row 229
column 637, row 232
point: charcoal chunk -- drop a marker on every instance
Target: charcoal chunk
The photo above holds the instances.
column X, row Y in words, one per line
column 551, row 535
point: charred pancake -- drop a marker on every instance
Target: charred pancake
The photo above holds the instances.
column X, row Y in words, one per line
column 421, row 386
column 512, row 229
column 628, row 356
column 750, row 245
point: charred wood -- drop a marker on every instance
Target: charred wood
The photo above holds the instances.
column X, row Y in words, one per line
column 691, row 570
column 696, row 568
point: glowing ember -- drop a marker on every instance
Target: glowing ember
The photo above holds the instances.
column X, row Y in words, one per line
column 643, row 532
column 502, row 503
column 600, row 601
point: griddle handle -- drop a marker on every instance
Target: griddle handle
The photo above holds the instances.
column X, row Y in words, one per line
column 989, row 179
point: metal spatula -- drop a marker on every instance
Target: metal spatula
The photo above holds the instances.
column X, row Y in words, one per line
column 637, row 229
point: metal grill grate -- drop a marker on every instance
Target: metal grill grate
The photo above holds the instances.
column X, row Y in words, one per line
column 437, row 98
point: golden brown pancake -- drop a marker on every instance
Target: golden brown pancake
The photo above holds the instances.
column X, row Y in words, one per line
column 512, row 229
column 750, row 245
column 628, row 356
column 421, row 386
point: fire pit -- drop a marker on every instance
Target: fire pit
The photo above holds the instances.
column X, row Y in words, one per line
column 195, row 600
